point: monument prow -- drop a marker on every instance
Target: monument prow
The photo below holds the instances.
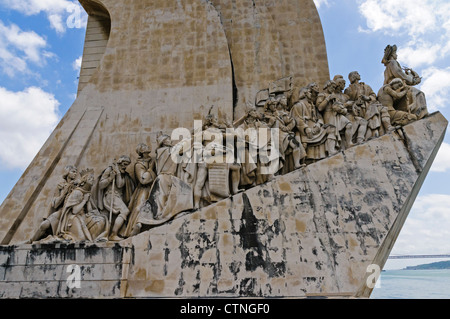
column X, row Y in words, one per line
column 163, row 181
column 313, row 232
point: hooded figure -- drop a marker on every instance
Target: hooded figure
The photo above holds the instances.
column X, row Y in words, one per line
column 144, row 172
column 72, row 225
column 169, row 195
column 114, row 190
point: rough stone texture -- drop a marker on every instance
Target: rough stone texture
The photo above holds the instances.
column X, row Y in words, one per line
column 312, row 232
column 270, row 40
column 159, row 65
column 97, row 34
column 42, row 271
column 309, row 233
column 165, row 64
column 303, row 49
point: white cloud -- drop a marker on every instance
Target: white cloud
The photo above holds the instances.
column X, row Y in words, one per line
column 418, row 54
column 414, row 17
column 425, row 27
column 56, row 21
column 18, row 48
column 423, row 23
column 58, row 11
column 29, row 43
column 31, row 7
column 427, row 229
column 26, row 120
column 319, row 3
column 436, row 86
column 77, row 63
column 441, row 163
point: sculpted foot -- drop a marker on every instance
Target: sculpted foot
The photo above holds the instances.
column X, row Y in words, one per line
column 115, row 238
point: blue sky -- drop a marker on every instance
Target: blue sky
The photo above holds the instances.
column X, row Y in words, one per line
column 41, row 46
column 356, row 33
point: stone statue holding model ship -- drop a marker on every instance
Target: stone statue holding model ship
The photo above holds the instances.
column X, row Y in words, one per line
column 260, row 184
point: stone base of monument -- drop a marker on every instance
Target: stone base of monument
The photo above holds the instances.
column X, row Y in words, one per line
column 324, row 230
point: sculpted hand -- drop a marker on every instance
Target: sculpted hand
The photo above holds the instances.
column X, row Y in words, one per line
column 316, row 129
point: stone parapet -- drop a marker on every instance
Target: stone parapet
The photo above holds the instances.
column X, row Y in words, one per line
column 44, row 271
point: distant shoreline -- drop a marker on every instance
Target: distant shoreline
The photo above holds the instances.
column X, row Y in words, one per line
column 433, row 266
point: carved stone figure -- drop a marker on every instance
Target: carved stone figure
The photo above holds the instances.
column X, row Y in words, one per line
column 334, row 113
column 221, row 173
column 49, row 225
column 389, row 95
column 339, row 89
column 314, row 91
column 145, row 175
column 318, row 138
column 362, row 97
column 291, row 150
column 79, row 214
column 248, row 144
column 206, row 150
column 414, row 100
column 65, row 187
column 169, row 195
column 258, row 160
column 115, row 188
column 278, row 102
column 368, row 114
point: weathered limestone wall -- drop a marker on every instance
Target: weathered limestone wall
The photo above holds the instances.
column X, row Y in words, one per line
column 159, row 65
column 254, row 45
column 166, row 63
column 270, row 40
column 312, row 232
column 309, row 233
column 43, row 271
column 96, row 40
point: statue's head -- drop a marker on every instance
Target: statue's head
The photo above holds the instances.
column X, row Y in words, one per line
column 390, row 53
column 313, row 87
column 163, row 139
column 305, row 94
column 123, row 162
column 70, row 171
column 396, row 83
column 354, row 76
column 87, row 177
column 142, row 149
column 340, row 82
column 330, row 86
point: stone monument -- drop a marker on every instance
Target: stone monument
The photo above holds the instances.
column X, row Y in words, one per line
column 210, row 154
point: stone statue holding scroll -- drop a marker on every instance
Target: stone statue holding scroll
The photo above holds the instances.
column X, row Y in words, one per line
column 334, row 114
column 318, row 138
column 414, row 101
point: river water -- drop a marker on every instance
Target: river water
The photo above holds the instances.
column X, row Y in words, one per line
column 413, row 284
